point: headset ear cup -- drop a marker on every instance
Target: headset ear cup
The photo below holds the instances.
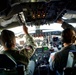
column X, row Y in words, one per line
column 8, row 44
column 73, row 39
column 63, row 39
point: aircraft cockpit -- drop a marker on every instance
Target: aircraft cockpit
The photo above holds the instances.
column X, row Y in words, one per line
column 40, row 16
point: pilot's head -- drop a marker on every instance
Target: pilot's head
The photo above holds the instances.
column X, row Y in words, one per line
column 8, row 39
column 68, row 36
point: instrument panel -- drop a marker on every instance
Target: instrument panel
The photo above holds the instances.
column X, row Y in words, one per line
column 42, row 49
column 41, row 55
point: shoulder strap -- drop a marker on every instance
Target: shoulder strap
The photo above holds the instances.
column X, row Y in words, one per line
column 11, row 58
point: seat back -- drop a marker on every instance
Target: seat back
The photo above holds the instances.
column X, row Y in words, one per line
column 9, row 67
column 70, row 68
column 71, row 61
column 70, row 71
column 6, row 62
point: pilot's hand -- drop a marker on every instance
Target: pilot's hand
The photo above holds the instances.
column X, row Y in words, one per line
column 60, row 21
column 25, row 29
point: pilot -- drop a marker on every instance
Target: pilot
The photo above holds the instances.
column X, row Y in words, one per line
column 59, row 59
column 22, row 56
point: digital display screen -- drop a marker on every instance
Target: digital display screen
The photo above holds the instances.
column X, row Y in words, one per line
column 39, row 50
column 45, row 48
column 55, row 39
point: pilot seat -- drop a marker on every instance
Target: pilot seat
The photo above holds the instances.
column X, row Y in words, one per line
column 9, row 67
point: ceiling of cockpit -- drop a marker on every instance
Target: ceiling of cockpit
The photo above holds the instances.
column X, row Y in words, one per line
column 36, row 12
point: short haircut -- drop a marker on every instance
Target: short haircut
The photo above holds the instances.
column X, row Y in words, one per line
column 7, row 38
